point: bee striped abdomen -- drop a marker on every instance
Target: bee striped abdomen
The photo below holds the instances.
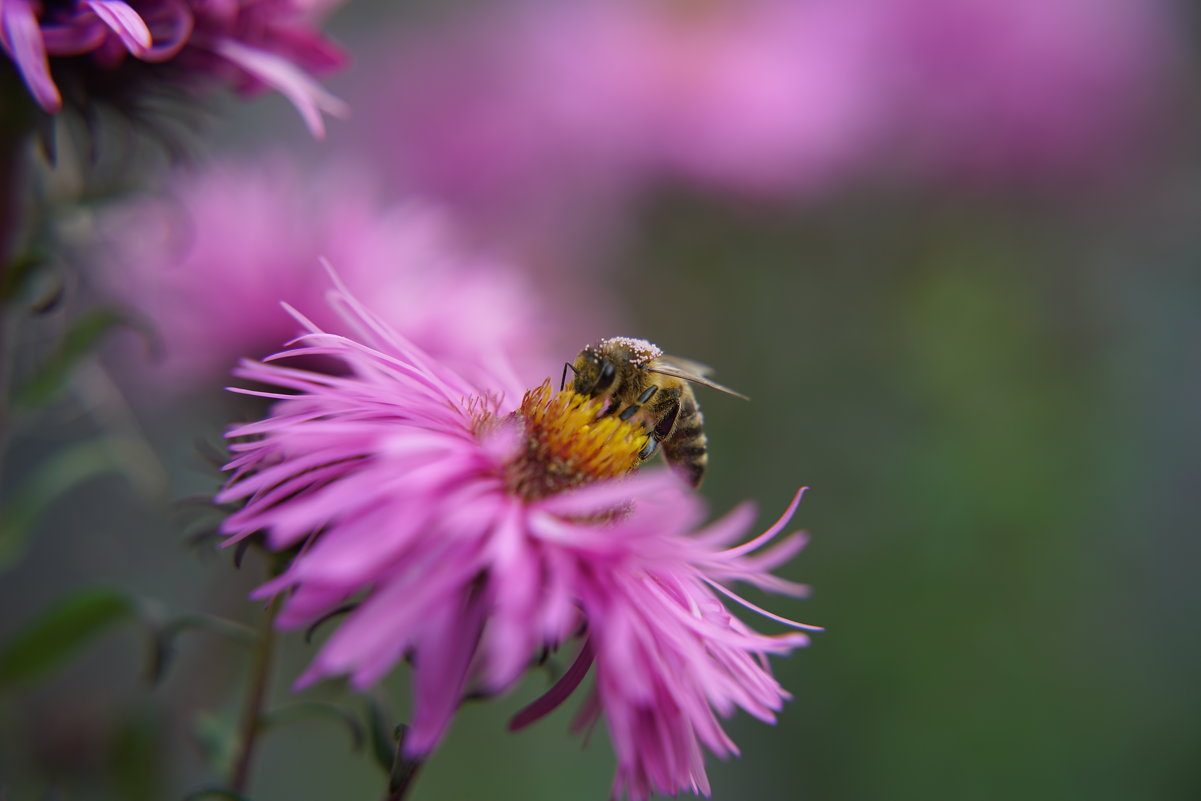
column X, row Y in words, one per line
column 642, row 385
column 687, row 447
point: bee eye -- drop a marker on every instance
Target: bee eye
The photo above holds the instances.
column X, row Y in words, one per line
column 607, row 373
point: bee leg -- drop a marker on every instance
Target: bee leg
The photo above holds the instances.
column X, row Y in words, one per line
column 685, row 447
column 563, row 381
column 671, row 410
column 633, row 408
column 669, row 404
column 648, row 450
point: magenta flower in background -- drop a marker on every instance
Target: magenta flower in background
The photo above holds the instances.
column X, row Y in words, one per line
column 513, row 116
column 768, row 97
column 207, row 263
column 248, row 44
column 539, row 102
column 532, row 108
column 1005, row 89
column 475, row 531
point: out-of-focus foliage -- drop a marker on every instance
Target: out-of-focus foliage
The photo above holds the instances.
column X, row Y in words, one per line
column 42, row 487
column 50, row 640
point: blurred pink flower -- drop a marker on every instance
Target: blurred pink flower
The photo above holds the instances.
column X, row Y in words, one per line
column 511, row 115
column 475, row 532
column 1000, row 89
column 540, row 106
column 769, row 97
column 247, row 43
column 207, row 264
column 558, row 114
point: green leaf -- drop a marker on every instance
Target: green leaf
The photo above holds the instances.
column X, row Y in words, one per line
column 230, row 629
column 82, row 338
column 341, row 610
column 383, row 741
column 166, row 634
column 47, row 483
column 305, row 709
column 137, row 761
column 403, row 770
column 218, row 740
column 61, row 631
column 215, row 792
column 20, row 274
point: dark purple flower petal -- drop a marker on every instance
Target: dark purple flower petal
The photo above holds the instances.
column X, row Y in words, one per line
column 22, row 40
column 124, row 22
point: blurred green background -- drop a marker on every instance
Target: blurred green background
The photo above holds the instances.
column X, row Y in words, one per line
column 994, row 397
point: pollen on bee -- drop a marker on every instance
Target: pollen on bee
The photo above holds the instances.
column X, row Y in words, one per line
column 567, row 445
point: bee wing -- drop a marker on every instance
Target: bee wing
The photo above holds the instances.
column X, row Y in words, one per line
column 686, row 365
column 689, row 371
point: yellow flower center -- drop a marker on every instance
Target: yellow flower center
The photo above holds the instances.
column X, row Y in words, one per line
column 567, row 445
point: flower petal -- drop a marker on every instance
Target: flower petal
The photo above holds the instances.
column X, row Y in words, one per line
column 125, row 22
column 556, row 695
column 21, row 37
column 170, row 23
column 285, row 77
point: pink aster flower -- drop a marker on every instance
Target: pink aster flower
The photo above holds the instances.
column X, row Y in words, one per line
column 547, row 109
column 476, row 531
column 998, row 89
column 511, row 115
column 249, row 44
column 534, row 107
column 769, row 97
column 213, row 256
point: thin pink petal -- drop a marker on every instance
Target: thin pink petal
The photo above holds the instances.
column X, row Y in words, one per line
column 309, row 98
column 75, row 39
column 769, row 615
column 556, row 695
column 125, row 22
column 170, row 23
column 22, row 38
column 746, row 547
column 440, row 675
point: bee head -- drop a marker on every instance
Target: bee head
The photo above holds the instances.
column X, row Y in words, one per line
column 595, row 373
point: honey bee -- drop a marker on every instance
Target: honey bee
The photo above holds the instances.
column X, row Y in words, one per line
column 641, row 383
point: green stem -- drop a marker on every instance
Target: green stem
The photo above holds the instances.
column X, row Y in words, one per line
column 12, row 183
column 256, row 700
column 404, row 774
column 12, row 220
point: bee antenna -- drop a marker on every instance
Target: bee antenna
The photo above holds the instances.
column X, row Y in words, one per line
column 563, row 381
